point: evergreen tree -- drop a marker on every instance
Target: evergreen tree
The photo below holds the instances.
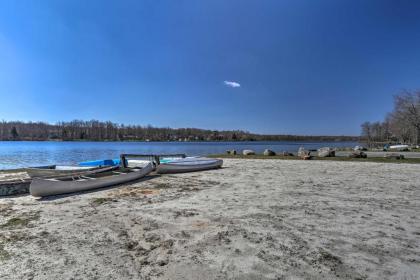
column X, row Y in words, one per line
column 14, row 133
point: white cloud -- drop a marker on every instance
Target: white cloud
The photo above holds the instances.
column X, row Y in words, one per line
column 232, row 84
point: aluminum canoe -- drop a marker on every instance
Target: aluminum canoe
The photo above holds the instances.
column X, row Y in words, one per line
column 189, row 165
column 41, row 187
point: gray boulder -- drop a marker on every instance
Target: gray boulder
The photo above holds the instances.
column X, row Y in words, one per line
column 248, row 152
column 304, row 154
column 231, row 152
column 268, row 152
column 358, row 154
column 326, row 152
column 394, row 156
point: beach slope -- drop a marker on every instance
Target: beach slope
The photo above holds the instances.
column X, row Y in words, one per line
column 252, row 219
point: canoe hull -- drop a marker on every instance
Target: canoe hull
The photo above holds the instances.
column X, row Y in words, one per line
column 58, row 171
column 398, row 147
column 45, row 187
column 189, row 165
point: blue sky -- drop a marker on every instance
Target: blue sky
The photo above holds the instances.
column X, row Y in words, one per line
column 304, row 67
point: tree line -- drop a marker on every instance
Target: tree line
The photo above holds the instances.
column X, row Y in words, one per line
column 402, row 125
column 78, row 130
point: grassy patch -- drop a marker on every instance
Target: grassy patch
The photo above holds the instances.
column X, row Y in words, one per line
column 161, row 185
column 15, row 222
column 4, row 255
column 369, row 159
column 134, row 192
column 18, row 222
column 101, row 200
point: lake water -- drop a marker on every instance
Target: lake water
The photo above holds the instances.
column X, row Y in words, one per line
column 22, row 153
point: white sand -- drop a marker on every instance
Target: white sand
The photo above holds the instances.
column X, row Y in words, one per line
column 253, row 219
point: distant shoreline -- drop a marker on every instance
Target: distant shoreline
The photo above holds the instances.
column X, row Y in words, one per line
column 93, row 130
column 189, row 141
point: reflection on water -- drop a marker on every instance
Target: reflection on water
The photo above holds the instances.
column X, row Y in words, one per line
column 23, row 154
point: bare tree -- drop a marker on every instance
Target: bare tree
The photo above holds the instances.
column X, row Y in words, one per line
column 407, row 110
column 402, row 124
column 400, row 129
column 367, row 132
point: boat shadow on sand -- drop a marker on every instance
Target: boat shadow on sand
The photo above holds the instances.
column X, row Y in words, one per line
column 61, row 196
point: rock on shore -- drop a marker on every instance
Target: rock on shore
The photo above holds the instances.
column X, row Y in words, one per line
column 248, row 152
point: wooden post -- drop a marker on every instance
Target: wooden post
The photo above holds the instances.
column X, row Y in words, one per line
column 157, row 160
column 123, row 162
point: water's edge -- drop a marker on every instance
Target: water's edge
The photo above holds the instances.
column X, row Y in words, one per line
column 18, row 154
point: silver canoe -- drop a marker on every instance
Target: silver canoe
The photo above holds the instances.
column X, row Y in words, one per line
column 45, row 187
column 53, row 170
column 189, row 165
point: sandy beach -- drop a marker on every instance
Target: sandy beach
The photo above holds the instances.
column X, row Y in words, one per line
column 252, row 219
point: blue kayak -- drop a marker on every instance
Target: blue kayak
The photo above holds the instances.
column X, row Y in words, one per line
column 101, row 162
